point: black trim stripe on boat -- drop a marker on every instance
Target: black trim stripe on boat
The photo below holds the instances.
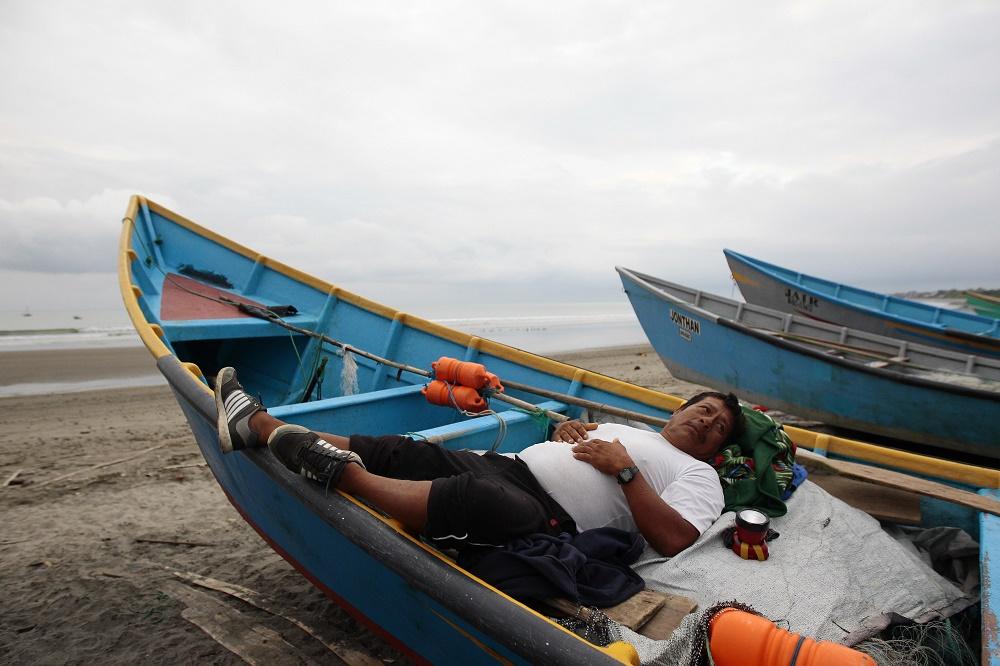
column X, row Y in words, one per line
column 523, row 631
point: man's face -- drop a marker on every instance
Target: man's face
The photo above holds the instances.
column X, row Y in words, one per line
column 699, row 430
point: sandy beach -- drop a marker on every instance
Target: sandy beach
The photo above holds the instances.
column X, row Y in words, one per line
column 110, row 500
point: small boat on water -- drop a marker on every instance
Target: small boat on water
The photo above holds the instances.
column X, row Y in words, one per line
column 834, row 374
column 195, row 299
column 782, row 289
column 985, row 305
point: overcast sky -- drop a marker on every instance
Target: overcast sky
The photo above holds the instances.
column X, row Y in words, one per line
column 451, row 151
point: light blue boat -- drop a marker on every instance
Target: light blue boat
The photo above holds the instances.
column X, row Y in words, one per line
column 833, row 374
column 784, row 362
column 182, row 285
column 782, row 289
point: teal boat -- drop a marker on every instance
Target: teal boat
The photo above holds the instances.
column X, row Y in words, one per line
column 782, row 289
column 195, row 299
column 985, row 305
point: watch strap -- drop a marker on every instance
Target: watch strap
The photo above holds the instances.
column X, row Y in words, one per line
column 627, row 474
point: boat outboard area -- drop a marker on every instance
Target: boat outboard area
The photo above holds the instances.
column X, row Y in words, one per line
column 330, row 360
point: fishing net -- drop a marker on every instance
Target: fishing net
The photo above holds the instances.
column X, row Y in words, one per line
column 834, row 575
column 349, row 374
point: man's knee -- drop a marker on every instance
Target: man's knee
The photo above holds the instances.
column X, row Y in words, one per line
column 481, row 510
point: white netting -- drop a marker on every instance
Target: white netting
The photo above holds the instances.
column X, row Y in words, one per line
column 833, row 574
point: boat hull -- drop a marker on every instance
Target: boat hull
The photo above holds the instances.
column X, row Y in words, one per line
column 762, row 284
column 412, row 594
column 701, row 348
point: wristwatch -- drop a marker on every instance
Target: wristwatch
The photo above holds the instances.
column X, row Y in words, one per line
column 627, row 474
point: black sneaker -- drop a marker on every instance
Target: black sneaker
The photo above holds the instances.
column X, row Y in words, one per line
column 302, row 451
column 235, row 407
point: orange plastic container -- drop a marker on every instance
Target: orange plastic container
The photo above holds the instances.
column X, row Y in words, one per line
column 737, row 638
column 465, row 373
column 438, row 393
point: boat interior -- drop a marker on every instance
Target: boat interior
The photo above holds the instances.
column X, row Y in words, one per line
column 194, row 312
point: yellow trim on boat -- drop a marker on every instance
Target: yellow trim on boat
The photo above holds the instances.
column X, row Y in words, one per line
column 647, row 396
column 150, row 335
column 743, row 279
column 981, row 477
column 126, row 255
column 623, row 652
column 968, row 474
column 948, row 335
column 472, row 639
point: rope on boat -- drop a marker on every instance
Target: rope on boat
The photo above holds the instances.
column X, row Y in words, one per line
column 346, row 350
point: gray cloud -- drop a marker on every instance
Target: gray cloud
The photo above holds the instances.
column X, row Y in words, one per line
column 534, row 147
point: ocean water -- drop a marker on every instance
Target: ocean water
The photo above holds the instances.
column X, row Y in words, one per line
column 79, row 329
column 540, row 328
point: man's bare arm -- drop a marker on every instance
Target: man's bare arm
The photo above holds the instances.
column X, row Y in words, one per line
column 661, row 525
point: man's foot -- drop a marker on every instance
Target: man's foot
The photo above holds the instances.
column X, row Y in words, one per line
column 303, row 452
column 235, row 407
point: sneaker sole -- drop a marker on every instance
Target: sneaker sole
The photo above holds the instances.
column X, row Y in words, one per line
column 222, row 422
column 277, row 433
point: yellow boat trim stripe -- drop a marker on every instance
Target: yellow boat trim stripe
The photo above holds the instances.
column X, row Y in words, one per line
column 743, row 279
column 988, row 344
column 968, row 474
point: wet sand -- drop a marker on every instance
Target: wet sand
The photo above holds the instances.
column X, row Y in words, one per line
column 74, row 365
column 88, row 549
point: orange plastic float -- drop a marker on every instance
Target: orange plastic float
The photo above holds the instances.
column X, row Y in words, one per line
column 441, row 393
column 465, row 373
column 738, row 638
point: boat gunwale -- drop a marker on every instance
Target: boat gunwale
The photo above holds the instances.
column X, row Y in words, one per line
column 654, row 399
column 385, row 545
column 856, row 449
column 948, row 331
column 187, row 382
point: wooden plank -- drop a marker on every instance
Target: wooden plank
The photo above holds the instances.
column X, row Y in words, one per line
column 888, row 478
column 100, row 466
column 669, row 617
column 637, row 612
column 880, row 502
column 349, row 655
column 253, row 643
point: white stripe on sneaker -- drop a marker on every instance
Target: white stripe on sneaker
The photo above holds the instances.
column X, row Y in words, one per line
column 236, row 401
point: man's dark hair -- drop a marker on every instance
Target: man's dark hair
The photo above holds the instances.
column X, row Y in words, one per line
column 731, row 403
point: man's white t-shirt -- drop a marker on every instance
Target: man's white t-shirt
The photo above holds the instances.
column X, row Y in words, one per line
column 594, row 499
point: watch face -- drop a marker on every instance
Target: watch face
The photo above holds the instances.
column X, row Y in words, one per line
column 626, row 474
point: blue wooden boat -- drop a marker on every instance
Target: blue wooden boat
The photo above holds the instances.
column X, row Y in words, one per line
column 786, row 290
column 833, row 374
column 181, row 284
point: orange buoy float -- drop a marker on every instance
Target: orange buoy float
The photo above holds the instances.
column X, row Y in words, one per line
column 465, row 373
column 465, row 398
column 738, row 638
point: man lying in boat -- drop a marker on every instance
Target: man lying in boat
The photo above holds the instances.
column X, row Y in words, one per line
column 588, row 476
